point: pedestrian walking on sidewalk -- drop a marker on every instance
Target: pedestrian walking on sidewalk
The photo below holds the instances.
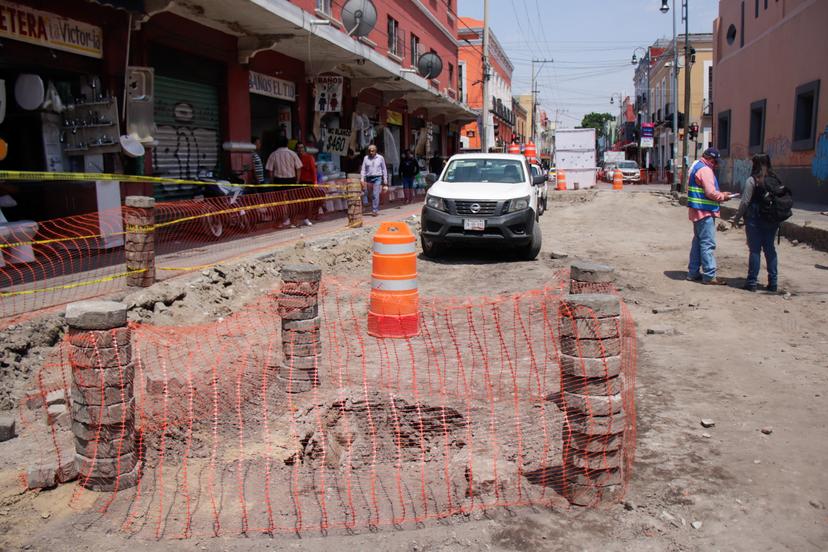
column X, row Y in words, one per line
column 374, row 173
column 703, row 200
column 283, row 168
column 761, row 232
column 409, row 169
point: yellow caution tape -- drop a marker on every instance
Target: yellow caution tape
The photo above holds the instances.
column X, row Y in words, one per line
column 151, row 228
column 86, row 177
column 71, row 286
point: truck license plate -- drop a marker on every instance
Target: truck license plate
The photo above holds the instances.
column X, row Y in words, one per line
column 474, row 224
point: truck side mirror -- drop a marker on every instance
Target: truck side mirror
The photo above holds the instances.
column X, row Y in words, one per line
column 539, row 180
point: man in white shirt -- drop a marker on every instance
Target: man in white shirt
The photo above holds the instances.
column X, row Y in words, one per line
column 283, row 167
column 374, row 172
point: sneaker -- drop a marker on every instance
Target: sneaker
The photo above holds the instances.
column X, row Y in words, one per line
column 374, row 214
column 771, row 288
column 714, row 282
column 306, row 222
column 749, row 287
column 694, row 278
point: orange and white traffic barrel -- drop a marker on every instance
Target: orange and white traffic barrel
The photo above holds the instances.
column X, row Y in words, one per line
column 530, row 151
column 561, row 181
column 513, row 148
column 618, row 180
column 394, row 308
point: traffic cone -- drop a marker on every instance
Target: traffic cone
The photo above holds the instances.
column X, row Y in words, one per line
column 530, row 151
column 561, row 181
column 394, row 308
column 617, row 180
column 514, row 148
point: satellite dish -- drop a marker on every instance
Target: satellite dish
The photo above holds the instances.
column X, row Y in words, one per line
column 430, row 65
column 359, row 17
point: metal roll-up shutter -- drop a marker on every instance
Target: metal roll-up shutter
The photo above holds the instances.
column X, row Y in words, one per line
column 187, row 119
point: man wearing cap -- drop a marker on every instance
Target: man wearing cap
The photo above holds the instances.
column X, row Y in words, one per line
column 703, row 199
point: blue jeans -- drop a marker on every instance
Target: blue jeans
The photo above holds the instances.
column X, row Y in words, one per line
column 376, row 189
column 702, row 258
column 408, row 182
column 760, row 236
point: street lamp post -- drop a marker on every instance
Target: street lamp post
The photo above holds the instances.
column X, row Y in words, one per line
column 664, row 9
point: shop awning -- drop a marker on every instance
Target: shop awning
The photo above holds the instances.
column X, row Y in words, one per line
column 135, row 6
column 286, row 28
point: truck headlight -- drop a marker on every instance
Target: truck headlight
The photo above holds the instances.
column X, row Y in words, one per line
column 519, row 204
column 436, row 203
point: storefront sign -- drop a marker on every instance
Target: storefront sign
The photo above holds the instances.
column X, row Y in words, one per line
column 272, row 87
column 337, row 141
column 49, row 30
column 394, row 118
column 327, row 94
column 647, row 130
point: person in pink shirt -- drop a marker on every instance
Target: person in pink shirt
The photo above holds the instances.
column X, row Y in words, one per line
column 703, row 199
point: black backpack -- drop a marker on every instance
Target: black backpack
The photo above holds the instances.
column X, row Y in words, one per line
column 775, row 200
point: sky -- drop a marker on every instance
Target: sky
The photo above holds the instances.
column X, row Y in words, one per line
column 590, row 41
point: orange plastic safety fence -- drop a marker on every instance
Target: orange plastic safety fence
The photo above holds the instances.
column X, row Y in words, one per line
column 238, row 432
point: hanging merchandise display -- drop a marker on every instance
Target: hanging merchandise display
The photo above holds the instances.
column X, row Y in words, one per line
column 392, row 152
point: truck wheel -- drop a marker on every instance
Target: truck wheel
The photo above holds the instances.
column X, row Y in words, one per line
column 541, row 206
column 533, row 249
column 430, row 249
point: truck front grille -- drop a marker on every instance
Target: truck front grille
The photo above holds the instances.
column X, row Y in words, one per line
column 484, row 209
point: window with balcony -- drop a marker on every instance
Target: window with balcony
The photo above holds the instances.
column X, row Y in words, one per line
column 723, row 136
column 805, row 116
column 324, row 6
column 756, row 139
column 415, row 49
column 393, row 34
column 450, row 76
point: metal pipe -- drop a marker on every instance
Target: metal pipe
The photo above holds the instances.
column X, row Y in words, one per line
column 484, row 121
column 687, row 61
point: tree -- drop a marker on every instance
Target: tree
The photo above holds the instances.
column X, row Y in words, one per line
column 596, row 121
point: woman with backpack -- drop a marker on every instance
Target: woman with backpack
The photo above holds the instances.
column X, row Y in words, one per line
column 765, row 204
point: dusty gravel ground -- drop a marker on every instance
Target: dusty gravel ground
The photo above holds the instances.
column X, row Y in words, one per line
column 748, row 361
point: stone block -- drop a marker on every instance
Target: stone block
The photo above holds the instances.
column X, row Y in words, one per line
column 95, row 396
column 8, row 427
column 301, row 325
column 106, row 448
column 594, row 386
column 580, row 367
column 58, row 415
column 143, row 246
column 593, row 443
column 58, row 396
column 68, row 469
column 297, row 301
column 301, row 273
column 299, row 288
column 99, row 357
column 287, row 313
column 35, row 401
column 138, row 259
column 41, row 477
column 112, row 484
column 302, row 362
column 301, row 338
column 103, row 377
column 104, row 414
column 590, row 461
column 590, row 495
column 590, row 305
column 586, row 328
column 585, row 271
column 593, row 405
column 105, row 467
column 96, row 315
column 104, row 338
column 93, row 432
column 598, row 425
column 140, row 202
column 591, row 348
column 292, row 349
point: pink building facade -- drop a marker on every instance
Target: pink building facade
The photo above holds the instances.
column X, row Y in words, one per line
column 770, row 92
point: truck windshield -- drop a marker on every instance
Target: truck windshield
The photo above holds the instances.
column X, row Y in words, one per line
column 507, row 171
column 627, row 165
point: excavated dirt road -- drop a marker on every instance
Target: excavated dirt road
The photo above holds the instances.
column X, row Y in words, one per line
column 753, row 363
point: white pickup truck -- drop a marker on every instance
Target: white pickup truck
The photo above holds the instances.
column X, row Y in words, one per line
column 487, row 199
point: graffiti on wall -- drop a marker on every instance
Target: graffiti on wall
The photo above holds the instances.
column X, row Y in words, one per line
column 819, row 166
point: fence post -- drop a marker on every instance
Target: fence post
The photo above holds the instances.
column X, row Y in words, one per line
column 103, row 403
column 298, row 306
column 585, row 276
column 140, row 241
column 592, row 392
column 354, row 194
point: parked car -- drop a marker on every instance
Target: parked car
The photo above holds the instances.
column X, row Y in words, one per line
column 606, row 172
column 487, row 199
column 537, row 170
column 630, row 171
